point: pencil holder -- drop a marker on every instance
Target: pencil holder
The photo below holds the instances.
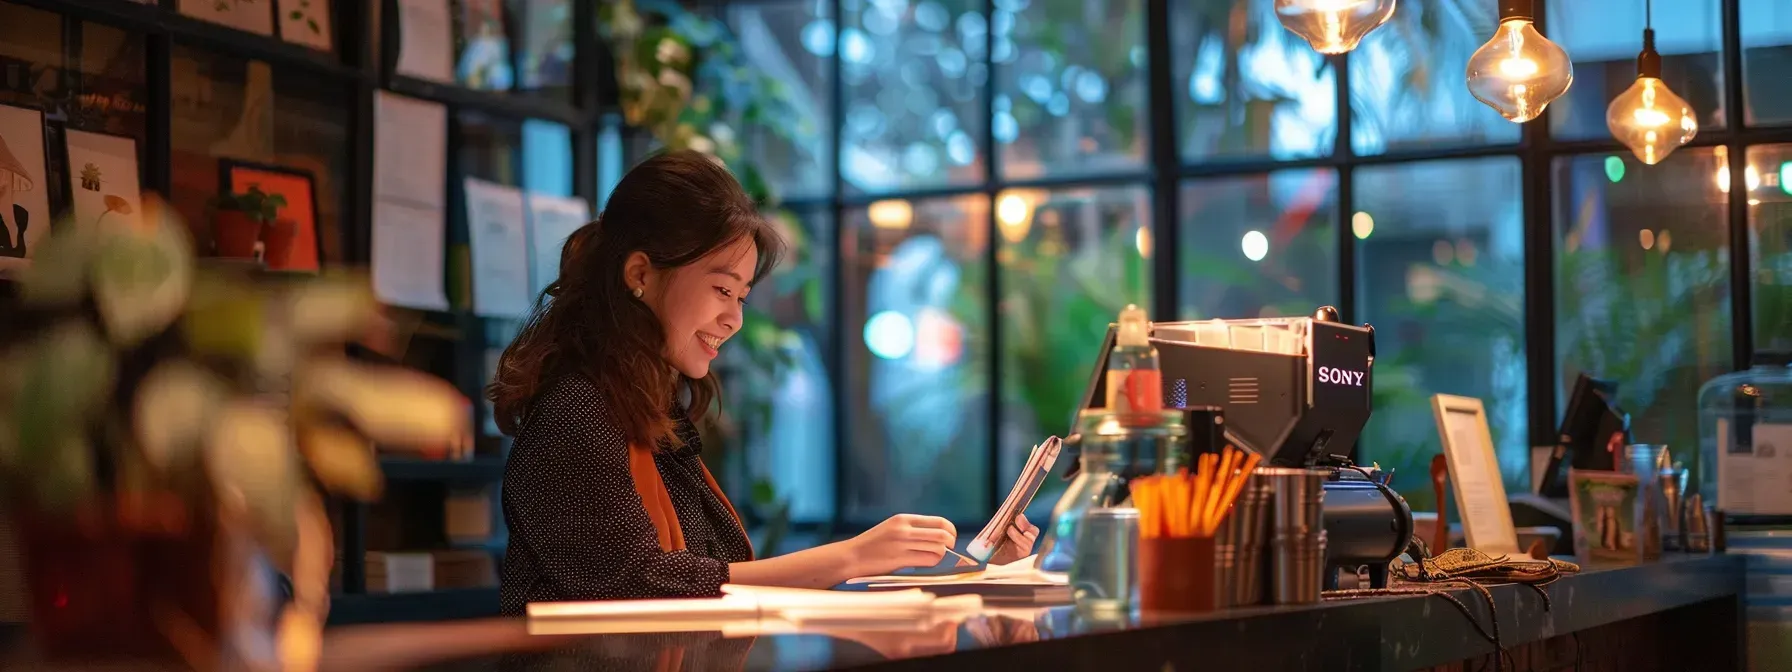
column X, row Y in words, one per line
column 1176, row 574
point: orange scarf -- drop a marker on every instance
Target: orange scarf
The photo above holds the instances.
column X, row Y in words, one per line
column 658, row 502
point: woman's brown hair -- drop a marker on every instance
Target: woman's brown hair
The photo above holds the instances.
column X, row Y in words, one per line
column 675, row 207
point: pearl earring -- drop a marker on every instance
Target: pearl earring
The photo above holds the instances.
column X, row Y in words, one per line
column 638, row 292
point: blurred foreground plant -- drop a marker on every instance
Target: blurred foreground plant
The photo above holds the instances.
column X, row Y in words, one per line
column 149, row 401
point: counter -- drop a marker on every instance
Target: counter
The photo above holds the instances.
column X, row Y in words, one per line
column 1681, row 613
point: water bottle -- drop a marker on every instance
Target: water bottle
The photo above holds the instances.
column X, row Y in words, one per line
column 1745, row 438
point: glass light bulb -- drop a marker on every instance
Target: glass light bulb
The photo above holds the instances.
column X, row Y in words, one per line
column 1333, row 26
column 1519, row 72
column 1650, row 120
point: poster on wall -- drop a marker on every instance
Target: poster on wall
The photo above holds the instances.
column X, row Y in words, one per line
column 306, row 22
column 426, row 40
column 290, row 244
column 410, row 158
column 24, row 199
column 552, row 219
column 500, row 249
column 103, row 179
column 255, row 16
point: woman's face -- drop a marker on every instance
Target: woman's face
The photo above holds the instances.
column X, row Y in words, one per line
column 699, row 304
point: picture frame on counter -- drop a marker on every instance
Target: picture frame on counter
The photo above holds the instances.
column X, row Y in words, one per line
column 103, row 178
column 1610, row 516
column 24, row 187
column 291, row 244
column 306, row 23
column 254, row 16
column 1475, row 475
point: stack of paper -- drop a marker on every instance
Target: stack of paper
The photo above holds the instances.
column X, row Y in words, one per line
column 748, row 607
column 1018, row 580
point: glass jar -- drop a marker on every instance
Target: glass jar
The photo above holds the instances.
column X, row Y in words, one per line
column 1109, row 455
column 1745, row 438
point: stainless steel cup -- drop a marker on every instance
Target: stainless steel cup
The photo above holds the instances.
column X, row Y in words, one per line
column 1297, row 499
column 1299, row 561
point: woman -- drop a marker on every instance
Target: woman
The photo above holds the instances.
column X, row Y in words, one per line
column 605, row 493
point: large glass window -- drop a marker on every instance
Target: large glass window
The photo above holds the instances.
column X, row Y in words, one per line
column 917, row 384
column 1603, row 38
column 1070, row 260
column 1643, row 283
column 1770, row 249
column 792, row 42
column 1245, row 87
column 1071, row 96
column 1408, row 80
column 1766, row 58
column 777, row 390
column 1259, row 245
column 1440, row 275
column 915, row 78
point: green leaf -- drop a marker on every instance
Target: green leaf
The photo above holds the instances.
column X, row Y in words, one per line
column 140, row 281
column 66, row 377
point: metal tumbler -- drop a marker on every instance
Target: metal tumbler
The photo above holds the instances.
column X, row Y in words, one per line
column 1238, row 554
column 1299, row 567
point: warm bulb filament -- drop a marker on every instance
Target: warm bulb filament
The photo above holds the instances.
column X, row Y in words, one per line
column 1649, row 116
column 1518, row 68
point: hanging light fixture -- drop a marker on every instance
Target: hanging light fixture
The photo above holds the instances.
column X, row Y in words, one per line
column 1648, row 118
column 1519, row 72
column 1333, row 26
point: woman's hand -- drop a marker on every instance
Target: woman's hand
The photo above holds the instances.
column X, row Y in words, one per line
column 905, row 540
column 1019, row 543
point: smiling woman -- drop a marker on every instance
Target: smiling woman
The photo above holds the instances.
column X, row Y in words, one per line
column 605, row 492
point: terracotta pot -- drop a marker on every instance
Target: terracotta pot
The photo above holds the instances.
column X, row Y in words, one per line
column 277, row 243
column 106, row 583
column 235, row 234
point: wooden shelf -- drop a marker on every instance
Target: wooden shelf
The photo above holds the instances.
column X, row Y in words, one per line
column 483, row 469
column 434, row 605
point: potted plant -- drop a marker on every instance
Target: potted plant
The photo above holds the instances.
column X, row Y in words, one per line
column 241, row 220
column 161, row 424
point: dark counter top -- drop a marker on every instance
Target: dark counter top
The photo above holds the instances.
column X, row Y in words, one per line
column 1385, row 633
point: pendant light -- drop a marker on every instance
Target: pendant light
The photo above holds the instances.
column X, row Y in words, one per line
column 1519, row 72
column 1648, row 118
column 1333, row 26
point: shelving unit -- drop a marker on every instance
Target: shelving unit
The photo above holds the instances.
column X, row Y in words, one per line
column 450, row 344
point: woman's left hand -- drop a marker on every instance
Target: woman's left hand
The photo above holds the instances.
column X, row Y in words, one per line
column 1019, row 544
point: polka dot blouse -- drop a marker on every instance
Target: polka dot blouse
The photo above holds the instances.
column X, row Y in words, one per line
column 578, row 529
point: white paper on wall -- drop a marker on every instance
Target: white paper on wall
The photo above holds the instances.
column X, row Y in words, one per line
column 426, row 40
column 500, row 249
column 410, row 173
column 551, row 220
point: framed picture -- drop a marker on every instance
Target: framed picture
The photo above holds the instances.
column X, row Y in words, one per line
column 1475, row 475
column 306, row 22
column 103, row 180
column 24, row 194
column 255, row 16
column 1607, row 508
column 291, row 243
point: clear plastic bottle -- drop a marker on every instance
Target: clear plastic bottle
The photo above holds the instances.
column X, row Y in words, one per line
column 1134, row 385
column 1745, row 438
